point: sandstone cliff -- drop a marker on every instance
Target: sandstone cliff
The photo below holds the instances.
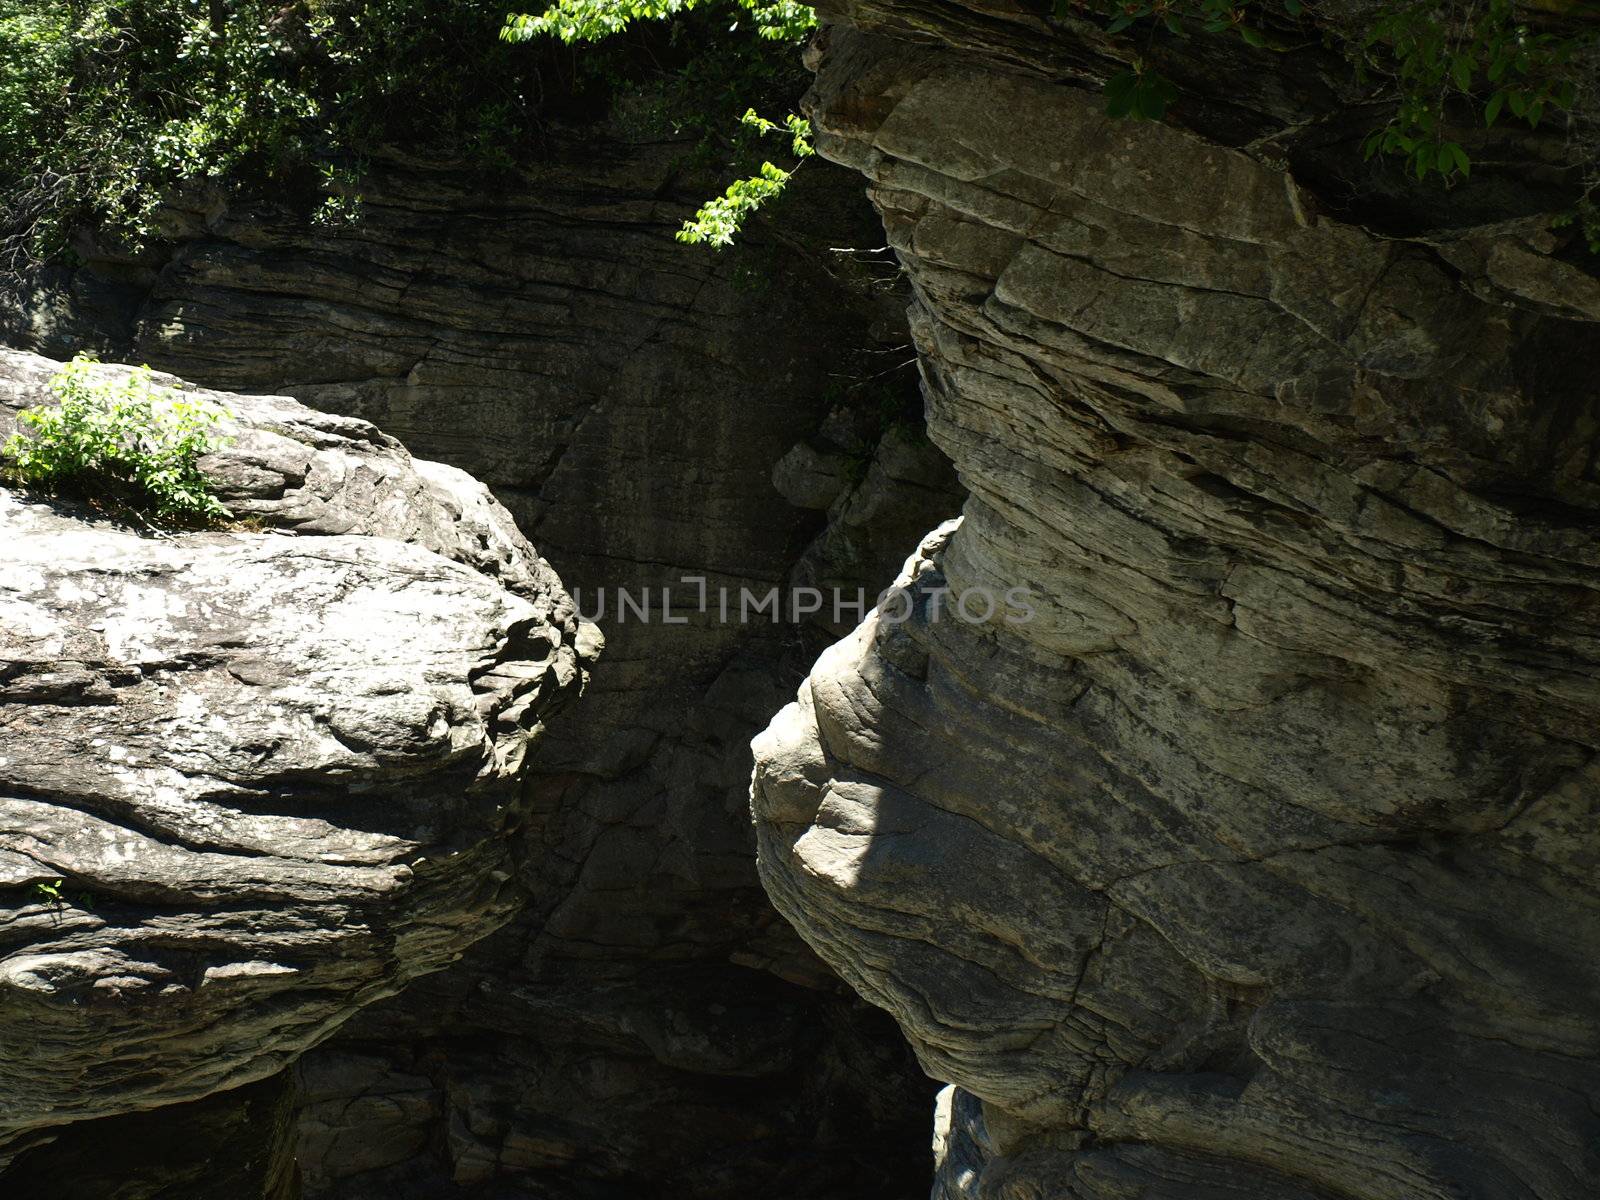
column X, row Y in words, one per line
column 253, row 780
column 1260, row 863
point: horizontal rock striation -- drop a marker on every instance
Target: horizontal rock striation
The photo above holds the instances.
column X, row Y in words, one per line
column 255, row 779
column 231, row 1145
column 1259, row 862
column 648, row 1021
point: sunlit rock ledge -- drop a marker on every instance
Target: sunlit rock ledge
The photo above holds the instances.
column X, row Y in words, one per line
column 254, row 779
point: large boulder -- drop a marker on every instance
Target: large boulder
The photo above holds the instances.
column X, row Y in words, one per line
column 254, row 779
column 1259, row 861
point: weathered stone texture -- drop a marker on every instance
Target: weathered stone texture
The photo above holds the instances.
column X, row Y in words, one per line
column 1260, row 862
column 234, row 1145
column 648, row 1022
column 274, row 770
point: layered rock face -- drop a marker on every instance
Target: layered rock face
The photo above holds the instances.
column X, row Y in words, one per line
column 230, row 1145
column 253, row 780
column 1259, row 859
column 648, row 1025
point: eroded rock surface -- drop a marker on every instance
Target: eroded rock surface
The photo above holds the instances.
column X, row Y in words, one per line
column 234, row 1145
column 648, row 1024
column 1260, row 861
column 253, row 780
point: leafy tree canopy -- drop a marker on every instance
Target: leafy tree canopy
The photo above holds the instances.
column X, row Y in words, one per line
column 591, row 20
column 105, row 105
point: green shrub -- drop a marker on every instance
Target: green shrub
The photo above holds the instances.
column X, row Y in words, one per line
column 109, row 109
column 124, row 441
column 591, row 20
column 1447, row 60
column 34, row 64
column 107, row 106
column 718, row 221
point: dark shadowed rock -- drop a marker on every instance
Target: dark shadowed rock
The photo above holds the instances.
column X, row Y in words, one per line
column 236, row 1145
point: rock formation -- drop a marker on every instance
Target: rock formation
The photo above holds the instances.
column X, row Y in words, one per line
column 239, row 1143
column 256, row 779
column 1260, row 862
column 647, row 1024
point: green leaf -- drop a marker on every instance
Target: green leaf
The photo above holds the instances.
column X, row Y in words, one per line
column 1491, row 110
column 1121, row 93
column 1154, row 96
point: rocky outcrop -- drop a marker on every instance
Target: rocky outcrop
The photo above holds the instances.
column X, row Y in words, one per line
column 231, row 1145
column 648, row 1024
column 1258, row 859
column 874, row 484
column 256, row 779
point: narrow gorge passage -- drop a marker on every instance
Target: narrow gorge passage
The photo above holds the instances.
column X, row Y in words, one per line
column 1039, row 646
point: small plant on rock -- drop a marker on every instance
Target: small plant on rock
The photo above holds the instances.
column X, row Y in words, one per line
column 123, row 442
column 53, row 892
